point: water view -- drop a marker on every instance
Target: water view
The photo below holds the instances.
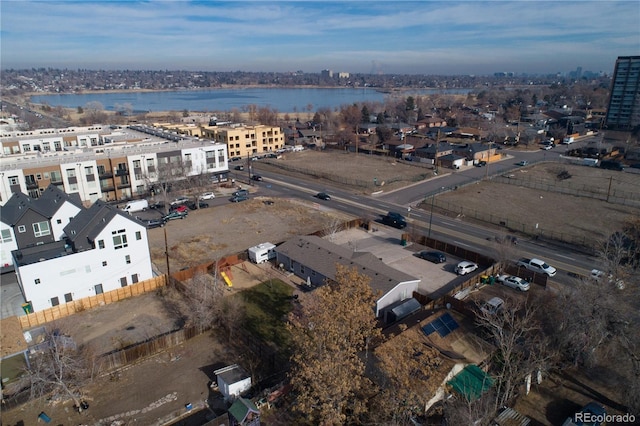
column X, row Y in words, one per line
column 285, row 100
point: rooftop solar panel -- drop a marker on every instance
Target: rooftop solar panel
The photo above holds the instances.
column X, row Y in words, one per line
column 444, row 325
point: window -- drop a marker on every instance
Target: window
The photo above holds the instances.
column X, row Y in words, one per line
column 88, row 170
column 37, row 281
column 119, row 239
column 13, row 180
column 136, row 164
column 123, row 282
column 101, row 244
column 5, row 236
column 302, row 269
column 104, row 263
column 71, row 173
column 138, row 235
column 21, row 228
column 59, row 221
column 68, row 297
column 98, row 288
column 127, row 259
column 55, row 301
column 41, row 229
column 134, row 278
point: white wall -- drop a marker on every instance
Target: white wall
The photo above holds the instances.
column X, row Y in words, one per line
column 79, row 273
column 64, row 214
column 400, row 292
column 6, row 247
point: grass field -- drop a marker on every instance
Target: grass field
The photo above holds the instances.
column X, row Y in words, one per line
column 266, row 305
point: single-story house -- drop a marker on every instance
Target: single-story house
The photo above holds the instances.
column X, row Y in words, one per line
column 430, row 122
column 452, row 161
column 314, row 260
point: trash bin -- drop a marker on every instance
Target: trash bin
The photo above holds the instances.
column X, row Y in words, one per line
column 43, row 416
column 492, row 280
column 484, row 279
column 403, row 242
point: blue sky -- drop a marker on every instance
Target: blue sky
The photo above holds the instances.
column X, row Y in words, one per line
column 420, row 37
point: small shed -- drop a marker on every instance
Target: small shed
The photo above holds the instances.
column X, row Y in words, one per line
column 243, row 412
column 401, row 309
column 471, row 382
column 262, row 252
column 232, row 381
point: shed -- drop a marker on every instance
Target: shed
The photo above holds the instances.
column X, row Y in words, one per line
column 244, row 412
column 510, row 417
column 262, row 252
column 471, row 382
column 232, row 381
column 402, row 309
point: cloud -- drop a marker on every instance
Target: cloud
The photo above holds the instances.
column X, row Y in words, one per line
column 280, row 36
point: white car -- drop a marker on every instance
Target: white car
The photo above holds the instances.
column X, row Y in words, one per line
column 465, row 267
column 514, row 282
column 207, row 196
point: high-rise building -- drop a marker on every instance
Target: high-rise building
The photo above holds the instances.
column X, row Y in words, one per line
column 624, row 101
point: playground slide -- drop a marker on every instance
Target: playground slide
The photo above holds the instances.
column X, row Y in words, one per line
column 226, row 279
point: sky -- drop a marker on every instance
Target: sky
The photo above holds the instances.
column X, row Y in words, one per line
column 390, row 37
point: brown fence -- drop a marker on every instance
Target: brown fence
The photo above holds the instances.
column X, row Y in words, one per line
column 125, row 356
column 80, row 305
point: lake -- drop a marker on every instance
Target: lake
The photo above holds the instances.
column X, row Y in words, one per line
column 283, row 100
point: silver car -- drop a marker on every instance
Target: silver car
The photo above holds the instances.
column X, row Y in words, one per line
column 514, row 282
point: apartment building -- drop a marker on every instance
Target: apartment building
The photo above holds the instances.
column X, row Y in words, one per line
column 624, row 100
column 246, row 141
column 103, row 163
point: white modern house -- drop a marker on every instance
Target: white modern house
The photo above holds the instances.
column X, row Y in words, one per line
column 50, row 214
column 232, row 381
column 99, row 249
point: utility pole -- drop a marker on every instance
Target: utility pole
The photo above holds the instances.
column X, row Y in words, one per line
column 166, row 253
column 609, row 190
column 435, row 159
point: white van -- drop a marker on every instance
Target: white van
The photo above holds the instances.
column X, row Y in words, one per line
column 136, row 206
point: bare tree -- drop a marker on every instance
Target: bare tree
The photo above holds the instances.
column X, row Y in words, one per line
column 521, row 348
column 59, row 368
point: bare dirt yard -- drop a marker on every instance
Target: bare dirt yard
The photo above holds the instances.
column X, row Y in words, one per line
column 544, row 213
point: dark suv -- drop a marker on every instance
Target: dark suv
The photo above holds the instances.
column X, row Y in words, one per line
column 394, row 219
column 433, row 256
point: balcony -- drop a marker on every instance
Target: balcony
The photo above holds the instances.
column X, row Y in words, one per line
column 122, row 172
column 105, row 174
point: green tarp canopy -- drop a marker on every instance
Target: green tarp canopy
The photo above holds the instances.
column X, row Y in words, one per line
column 471, row 382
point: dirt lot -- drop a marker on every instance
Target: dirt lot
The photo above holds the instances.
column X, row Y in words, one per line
column 211, row 233
column 544, row 213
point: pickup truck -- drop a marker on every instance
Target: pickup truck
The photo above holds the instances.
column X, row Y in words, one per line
column 538, row 266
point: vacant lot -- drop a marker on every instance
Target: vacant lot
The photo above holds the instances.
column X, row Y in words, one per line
column 359, row 171
column 543, row 213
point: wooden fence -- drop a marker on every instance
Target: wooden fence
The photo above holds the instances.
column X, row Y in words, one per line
column 56, row 312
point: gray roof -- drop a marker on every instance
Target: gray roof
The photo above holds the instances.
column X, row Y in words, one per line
column 53, row 197
column 86, row 226
column 17, row 206
column 322, row 256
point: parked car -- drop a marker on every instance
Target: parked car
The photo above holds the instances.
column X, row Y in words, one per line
column 201, row 205
column 465, row 267
column 522, row 163
column 257, row 177
column 179, row 200
column 514, row 282
column 159, row 205
column 492, row 306
column 176, row 215
column 481, row 163
column 547, row 147
column 207, row 196
column 179, row 208
column 238, row 198
column 323, row 196
column 154, row 223
column 239, row 167
column 433, row 256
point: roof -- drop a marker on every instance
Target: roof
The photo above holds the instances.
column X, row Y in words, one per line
column 232, row 374
column 241, row 408
column 88, row 224
column 17, row 206
column 471, row 382
column 322, row 256
column 11, row 337
column 510, row 417
column 53, row 197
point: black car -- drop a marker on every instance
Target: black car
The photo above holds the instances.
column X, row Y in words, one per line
column 201, row 205
column 239, row 167
column 394, row 219
column 433, row 256
column 257, row 177
column 157, row 206
column 323, row 196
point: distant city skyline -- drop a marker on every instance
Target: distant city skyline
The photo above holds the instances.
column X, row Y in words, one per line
column 425, row 37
